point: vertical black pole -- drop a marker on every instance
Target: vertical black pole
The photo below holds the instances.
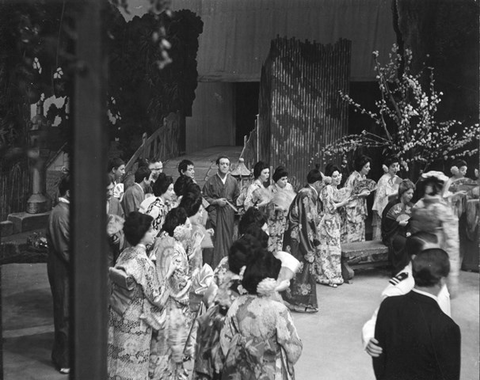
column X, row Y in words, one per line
column 89, row 199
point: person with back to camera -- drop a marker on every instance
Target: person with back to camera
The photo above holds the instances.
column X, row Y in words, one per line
column 136, row 303
column 259, row 339
column 419, row 340
column 432, row 214
column 401, row 284
column 302, row 241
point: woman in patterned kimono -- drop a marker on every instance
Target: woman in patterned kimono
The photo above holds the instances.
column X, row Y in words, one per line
column 159, row 206
column 395, row 221
column 131, row 321
column 356, row 210
column 301, row 240
column 173, row 346
column 259, row 339
column 387, row 186
column 282, row 197
column 432, row 214
column 330, row 251
column 257, row 194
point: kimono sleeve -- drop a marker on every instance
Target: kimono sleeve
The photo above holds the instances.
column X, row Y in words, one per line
column 147, row 278
column 287, row 336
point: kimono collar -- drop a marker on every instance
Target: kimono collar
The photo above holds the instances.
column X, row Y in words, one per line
column 224, row 180
column 64, row 200
column 316, row 192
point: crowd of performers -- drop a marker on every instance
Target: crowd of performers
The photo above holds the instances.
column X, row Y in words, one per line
column 203, row 281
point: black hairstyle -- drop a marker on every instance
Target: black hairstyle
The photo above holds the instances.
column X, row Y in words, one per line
column 280, row 172
column 331, row 168
column 253, row 216
column 114, row 163
column 314, row 175
column 389, row 160
column 136, row 226
column 181, row 184
column 459, row 163
column 241, row 252
column 161, row 184
column 64, row 185
column 220, row 157
column 175, row 217
column 260, row 235
column 416, row 242
column 191, row 202
column 183, row 166
column 360, row 162
column 429, row 266
column 262, row 265
column 404, row 186
column 142, row 162
column 258, row 168
column 435, row 183
column 153, row 159
column 142, row 173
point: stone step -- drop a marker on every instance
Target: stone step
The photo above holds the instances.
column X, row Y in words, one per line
column 23, row 222
column 7, row 228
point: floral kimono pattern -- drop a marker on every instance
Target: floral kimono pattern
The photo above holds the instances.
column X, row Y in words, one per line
column 355, row 213
column 330, row 252
column 259, row 340
column 435, row 216
column 209, row 357
column 130, row 334
column 158, row 210
column 277, row 219
column 301, row 240
column 174, row 342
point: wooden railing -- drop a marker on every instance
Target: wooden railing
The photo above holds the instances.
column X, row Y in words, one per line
column 163, row 144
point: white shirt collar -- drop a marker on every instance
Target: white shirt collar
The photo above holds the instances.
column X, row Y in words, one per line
column 64, row 200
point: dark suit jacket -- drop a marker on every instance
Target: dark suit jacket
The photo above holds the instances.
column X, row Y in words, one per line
column 419, row 341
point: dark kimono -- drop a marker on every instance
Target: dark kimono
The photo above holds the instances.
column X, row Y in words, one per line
column 58, row 268
column 221, row 219
column 301, row 240
column 394, row 235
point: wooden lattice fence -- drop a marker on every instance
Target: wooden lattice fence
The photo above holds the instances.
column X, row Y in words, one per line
column 300, row 109
column 14, row 189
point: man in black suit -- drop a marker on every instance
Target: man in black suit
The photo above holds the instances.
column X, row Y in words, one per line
column 419, row 341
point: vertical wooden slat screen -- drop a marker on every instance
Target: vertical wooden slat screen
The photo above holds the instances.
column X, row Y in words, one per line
column 300, row 109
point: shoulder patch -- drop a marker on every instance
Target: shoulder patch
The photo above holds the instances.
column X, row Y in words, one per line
column 398, row 278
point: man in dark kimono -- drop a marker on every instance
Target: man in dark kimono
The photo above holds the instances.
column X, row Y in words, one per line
column 59, row 274
column 221, row 192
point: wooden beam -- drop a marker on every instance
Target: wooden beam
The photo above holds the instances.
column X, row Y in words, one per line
column 89, row 200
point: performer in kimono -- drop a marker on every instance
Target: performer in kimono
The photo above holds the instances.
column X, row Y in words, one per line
column 301, row 240
column 330, row 252
column 159, row 205
column 136, row 303
column 356, row 210
column 387, row 186
column 257, row 194
column 173, row 346
column 59, row 274
column 432, row 214
column 221, row 192
column 395, row 221
column 282, row 197
column 259, row 339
